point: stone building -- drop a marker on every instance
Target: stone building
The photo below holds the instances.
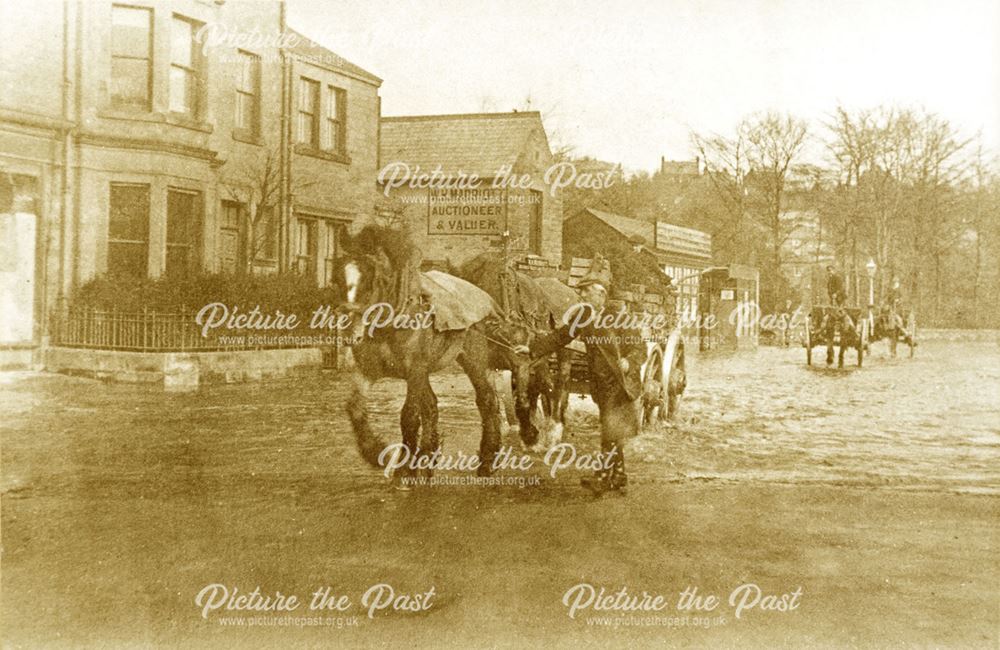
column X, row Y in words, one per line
column 680, row 172
column 508, row 153
column 153, row 139
column 681, row 253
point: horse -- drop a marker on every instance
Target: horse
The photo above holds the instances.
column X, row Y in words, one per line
column 480, row 343
column 538, row 307
column 837, row 325
column 888, row 324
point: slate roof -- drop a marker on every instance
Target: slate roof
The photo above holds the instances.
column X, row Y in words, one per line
column 627, row 225
column 306, row 48
column 673, row 240
column 473, row 143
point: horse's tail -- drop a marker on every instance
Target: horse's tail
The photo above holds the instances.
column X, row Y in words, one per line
column 370, row 445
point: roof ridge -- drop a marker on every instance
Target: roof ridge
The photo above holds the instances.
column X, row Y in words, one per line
column 345, row 65
column 459, row 116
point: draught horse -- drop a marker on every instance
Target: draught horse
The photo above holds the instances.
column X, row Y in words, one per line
column 540, row 304
column 378, row 268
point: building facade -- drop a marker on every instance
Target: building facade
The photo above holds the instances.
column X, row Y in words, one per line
column 156, row 139
column 680, row 253
column 509, row 155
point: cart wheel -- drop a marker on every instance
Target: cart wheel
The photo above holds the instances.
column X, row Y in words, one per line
column 911, row 328
column 809, row 342
column 862, row 341
column 893, row 338
column 653, row 389
column 676, row 382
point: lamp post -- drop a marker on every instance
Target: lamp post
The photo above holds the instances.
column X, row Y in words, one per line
column 871, row 282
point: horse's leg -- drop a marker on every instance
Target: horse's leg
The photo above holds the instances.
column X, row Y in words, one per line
column 427, row 404
column 540, row 390
column 524, row 408
column 564, row 359
column 409, row 422
column 544, row 393
column 473, row 362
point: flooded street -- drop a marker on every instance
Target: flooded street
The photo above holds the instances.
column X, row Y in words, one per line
column 847, row 483
column 930, row 421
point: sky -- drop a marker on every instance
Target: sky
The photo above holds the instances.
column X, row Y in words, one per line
column 629, row 81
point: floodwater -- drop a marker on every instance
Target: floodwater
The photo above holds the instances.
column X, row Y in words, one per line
column 120, row 502
column 928, row 421
column 933, row 420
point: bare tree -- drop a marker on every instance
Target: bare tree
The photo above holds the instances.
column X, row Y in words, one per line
column 749, row 173
column 897, row 171
column 255, row 183
column 774, row 143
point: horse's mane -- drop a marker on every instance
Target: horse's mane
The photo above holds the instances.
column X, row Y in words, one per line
column 488, row 270
column 396, row 243
column 484, row 265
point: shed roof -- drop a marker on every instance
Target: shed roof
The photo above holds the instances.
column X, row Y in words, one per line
column 661, row 239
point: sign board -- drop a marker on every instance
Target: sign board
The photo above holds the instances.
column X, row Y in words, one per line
column 480, row 211
column 684, row 242
column 728, row 294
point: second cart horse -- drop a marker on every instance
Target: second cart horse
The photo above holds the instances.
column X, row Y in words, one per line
column 836, row 327
column 889, row 325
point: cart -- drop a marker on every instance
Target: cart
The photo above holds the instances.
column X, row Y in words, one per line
column 838, row 327
column 664, row 374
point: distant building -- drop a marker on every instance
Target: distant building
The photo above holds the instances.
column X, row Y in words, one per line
column 134, row 137
column 680, row 172
column 453, row 224
column 805, row 253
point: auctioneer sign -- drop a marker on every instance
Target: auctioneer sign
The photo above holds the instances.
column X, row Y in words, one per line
column 481, row 211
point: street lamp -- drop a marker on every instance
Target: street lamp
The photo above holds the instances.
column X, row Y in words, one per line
column 871, row 282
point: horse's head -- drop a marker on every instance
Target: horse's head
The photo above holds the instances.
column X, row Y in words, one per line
column 354, row 288
column 508, row 334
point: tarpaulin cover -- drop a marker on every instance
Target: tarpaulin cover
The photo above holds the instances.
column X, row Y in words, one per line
column 457, row 304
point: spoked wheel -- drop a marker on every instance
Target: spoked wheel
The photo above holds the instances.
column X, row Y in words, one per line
column 809, row 342
column 676, row 382
column 654, row 389
column 911, row 330
column 893, row 338
column 862, row 341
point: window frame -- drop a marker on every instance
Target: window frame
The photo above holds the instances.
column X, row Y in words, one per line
column 112, row 241
column 195, row 69
column 150, row 35
column 307, row 263
column 252, row 132
column 335, row 231
column 313, row 113
column 193, row 244
column 226, row 207
column 336, row 123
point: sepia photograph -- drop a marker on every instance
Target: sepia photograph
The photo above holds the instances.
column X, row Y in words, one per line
column 471, row 324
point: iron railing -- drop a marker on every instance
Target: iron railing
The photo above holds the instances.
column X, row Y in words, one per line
column 156, row 331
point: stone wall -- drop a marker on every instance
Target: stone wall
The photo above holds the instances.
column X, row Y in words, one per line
column 182, row 371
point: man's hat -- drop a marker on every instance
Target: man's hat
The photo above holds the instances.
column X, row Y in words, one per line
column 599, row 273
